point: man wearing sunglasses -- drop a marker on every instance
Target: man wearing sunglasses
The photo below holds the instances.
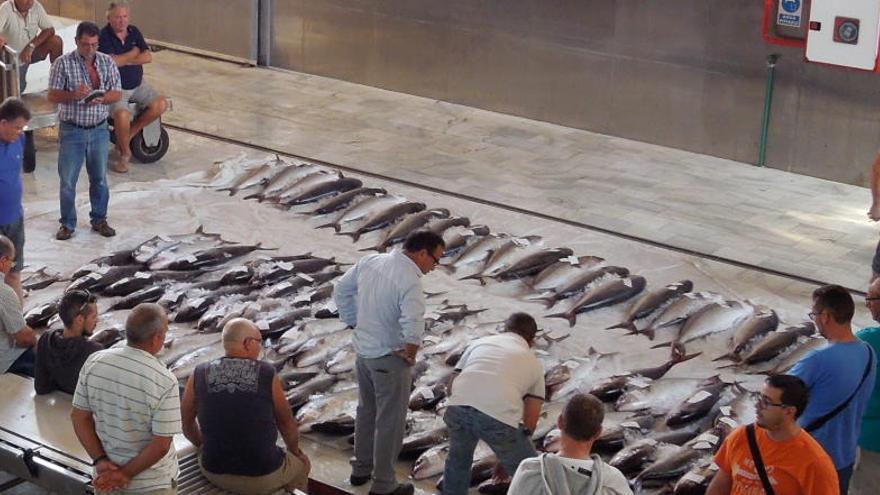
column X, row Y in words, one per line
column 381, row 298
column 61, row 353
column 866, row 477
column 240, row 406
column 840, row 377
column 17, row 340
column 794, row 462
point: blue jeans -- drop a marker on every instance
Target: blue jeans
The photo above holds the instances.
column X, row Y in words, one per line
column 75, row 146
column 467, row 426
column 843, row 477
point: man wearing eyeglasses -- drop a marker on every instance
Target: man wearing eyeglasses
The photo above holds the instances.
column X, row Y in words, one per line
column 61, row 353
column 84, row 83
column 381, row 298
column 794, row 462
column 840, row 377
column 17, row 340
column 14, row 116
column 866, row 477
column 240, row 406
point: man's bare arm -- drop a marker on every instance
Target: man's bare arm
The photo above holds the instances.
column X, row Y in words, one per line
column 721, row 484
column 531, row 411
column 188, row 413
column 84, row 427
column 25, row 337
column 874, row 212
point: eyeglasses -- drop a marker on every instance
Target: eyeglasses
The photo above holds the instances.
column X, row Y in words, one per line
column 814, row 314
column 869, row 299
column 435, row 258
column 764, row 401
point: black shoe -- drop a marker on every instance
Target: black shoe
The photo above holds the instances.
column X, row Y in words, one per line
column 104, row 229
column 359, row 480
column 402, row 489
column 63, row 233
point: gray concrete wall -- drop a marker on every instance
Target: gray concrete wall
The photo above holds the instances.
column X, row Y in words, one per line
column 688, row 74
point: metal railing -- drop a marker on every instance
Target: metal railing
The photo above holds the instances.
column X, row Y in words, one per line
column 11, row 67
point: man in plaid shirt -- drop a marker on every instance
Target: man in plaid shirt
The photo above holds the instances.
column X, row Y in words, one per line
column 73, row 81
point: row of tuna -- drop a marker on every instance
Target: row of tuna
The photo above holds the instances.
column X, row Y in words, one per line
column 661, row 432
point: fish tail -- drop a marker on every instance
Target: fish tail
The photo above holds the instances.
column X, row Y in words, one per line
column 548, row 302
column 378, row 248
column 733, row 365
column 475, row 276
column 664, row 344
column 728, row 357
column 254, row 195
column 324, row 225
column 625, row 324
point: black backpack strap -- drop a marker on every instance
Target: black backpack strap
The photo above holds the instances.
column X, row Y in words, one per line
column 756, row 456
column 820, row 422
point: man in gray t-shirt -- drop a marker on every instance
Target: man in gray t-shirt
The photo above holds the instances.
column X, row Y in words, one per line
column 17, row 340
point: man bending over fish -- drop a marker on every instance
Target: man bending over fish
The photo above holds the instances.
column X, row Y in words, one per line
column 496, row 396
column 240, row 406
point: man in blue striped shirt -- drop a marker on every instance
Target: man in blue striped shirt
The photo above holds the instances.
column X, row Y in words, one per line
column 381, row 298
column 126, row 410
column 84, row 83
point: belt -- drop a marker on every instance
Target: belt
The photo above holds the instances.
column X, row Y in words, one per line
column 84, row 126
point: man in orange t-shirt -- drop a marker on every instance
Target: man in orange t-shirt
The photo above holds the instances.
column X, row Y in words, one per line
column 795, row 463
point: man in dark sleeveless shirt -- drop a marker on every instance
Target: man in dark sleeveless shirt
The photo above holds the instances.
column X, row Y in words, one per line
column 241, row 408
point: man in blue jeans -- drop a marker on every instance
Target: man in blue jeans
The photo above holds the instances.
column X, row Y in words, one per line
column 75, row 84
column 496, row 396
column 14, row 116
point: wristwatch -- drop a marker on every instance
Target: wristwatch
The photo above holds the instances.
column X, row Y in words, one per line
column 99, row 459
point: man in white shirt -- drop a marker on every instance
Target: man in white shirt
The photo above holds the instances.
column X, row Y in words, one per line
column 381, row 298
column 497, row 393
column 574, row 469
column 27, row 29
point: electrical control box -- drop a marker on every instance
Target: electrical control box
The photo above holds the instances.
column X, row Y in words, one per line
column 844, row 33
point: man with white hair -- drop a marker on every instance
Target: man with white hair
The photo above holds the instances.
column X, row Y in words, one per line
column 233, row 409
column 126, row 410
column 125, row 43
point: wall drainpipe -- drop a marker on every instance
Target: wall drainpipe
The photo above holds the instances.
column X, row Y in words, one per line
column 768, row 103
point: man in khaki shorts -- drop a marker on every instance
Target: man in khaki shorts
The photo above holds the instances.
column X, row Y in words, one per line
column 130, row 51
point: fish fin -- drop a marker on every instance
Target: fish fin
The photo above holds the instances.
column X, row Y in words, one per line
column 664, row 344
column 378, row 248
column 325, row 225
column 733, row 365
column 729, row 357
column 253, row 195
column 434, row 294
column 625, row 324
column 648, row 332
column 572, row 318
column 475, row 276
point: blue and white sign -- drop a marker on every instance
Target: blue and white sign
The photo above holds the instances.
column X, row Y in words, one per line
column 790, row 13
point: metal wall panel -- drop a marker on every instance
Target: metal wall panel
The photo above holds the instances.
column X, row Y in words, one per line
column 682, row 73
column 226, row 27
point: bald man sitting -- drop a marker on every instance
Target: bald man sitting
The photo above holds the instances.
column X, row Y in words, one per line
column 240, row 406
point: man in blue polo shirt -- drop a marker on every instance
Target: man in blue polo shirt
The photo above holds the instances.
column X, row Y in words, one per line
column 130, row 51
column 14, row 116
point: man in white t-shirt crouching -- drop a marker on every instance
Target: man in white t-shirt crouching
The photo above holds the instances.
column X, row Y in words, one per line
column 496, row 397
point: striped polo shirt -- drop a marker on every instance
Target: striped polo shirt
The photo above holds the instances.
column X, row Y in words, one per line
column 133, row 397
